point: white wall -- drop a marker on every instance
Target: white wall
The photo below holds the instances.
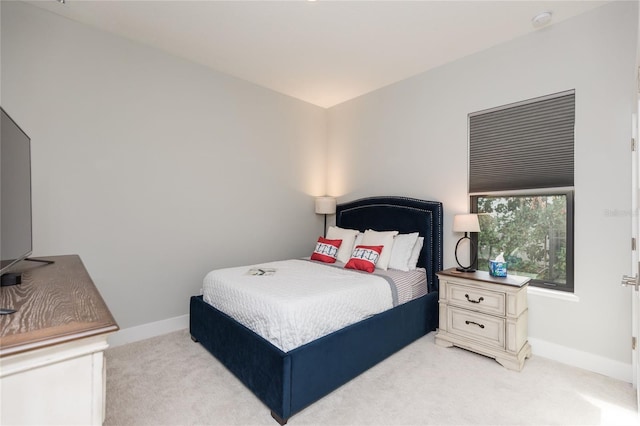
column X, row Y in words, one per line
column 411, row 138
column 153, row 169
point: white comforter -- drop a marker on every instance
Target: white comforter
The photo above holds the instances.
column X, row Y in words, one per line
column 300, row 302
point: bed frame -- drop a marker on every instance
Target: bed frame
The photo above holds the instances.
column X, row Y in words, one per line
column 288, row 382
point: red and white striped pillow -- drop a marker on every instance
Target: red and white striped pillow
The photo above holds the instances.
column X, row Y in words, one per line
column 364, row 258
column 326, row 250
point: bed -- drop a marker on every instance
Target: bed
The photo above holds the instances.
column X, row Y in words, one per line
column 287, row 382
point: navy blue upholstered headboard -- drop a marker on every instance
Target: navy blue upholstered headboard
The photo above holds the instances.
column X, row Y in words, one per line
column 401, row 214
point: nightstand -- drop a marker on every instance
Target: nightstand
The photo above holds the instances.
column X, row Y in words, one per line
column 484, row 314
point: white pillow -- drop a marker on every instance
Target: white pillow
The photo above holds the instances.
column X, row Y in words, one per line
column 358, row 239
column 401, row 252
column 348, row 237
column 377, row 238
column 415, row 254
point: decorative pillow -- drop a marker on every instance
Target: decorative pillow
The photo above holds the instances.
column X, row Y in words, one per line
column 401, row 252
column 385, row 239
column 348, row 236
column 364, row 258
column 415, row 254
column 326, row 250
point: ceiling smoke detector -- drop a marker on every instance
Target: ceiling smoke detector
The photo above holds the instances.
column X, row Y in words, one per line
column 541, row 19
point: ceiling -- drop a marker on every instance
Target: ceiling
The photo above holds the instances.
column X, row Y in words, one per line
column 323, row 52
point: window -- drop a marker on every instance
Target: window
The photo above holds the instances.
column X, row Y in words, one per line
column 521, row 166
column 533, row 231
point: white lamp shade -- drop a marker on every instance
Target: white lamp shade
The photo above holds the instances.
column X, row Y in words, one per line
column 466, row 223
column 325, row 205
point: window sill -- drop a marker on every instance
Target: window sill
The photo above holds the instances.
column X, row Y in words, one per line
column 553, row 294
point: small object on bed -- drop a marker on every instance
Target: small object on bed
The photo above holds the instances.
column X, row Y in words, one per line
column 261, row 271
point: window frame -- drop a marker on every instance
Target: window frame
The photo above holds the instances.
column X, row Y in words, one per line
column 569, row 193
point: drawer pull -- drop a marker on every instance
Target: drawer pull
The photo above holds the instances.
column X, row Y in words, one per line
column 474, row 301
column 472, row 322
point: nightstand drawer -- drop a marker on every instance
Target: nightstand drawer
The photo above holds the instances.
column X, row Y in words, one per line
column 484, row 329
column 477, row 299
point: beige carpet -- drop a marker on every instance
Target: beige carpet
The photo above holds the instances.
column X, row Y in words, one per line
column 169, row 380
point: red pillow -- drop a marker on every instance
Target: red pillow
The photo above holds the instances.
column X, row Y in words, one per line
column 364, row 258
column 326, row 250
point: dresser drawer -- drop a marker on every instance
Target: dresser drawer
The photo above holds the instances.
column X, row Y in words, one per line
column 484, row 329
column 477, row 299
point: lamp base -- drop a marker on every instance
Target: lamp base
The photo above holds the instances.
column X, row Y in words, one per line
column 474, row 254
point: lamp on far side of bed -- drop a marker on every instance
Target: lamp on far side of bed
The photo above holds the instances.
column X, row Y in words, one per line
column 325, row 205
column 466, row 223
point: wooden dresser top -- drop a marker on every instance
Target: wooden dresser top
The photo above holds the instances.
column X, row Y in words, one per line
column 511, row 280
column 55, row 303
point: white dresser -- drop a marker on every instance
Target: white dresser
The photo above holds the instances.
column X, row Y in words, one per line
column 485, row 314
column 51, row 348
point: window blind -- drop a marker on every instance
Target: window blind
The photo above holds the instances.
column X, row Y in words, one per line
column 527, row 145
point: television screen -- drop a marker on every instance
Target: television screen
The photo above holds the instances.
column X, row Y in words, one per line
column 15, row 193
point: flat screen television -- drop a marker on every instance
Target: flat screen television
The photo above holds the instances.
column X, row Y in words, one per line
column 15, row 194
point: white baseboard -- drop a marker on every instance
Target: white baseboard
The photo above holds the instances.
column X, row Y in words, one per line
column 146, row 331
column 587, row 361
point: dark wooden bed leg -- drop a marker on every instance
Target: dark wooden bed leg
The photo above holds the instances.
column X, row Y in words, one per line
column 279, row 419
column 194, row 339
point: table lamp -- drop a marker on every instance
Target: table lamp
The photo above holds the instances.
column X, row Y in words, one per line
column 466, row 223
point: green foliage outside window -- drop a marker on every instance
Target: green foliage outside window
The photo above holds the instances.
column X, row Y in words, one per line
column 530, row 230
